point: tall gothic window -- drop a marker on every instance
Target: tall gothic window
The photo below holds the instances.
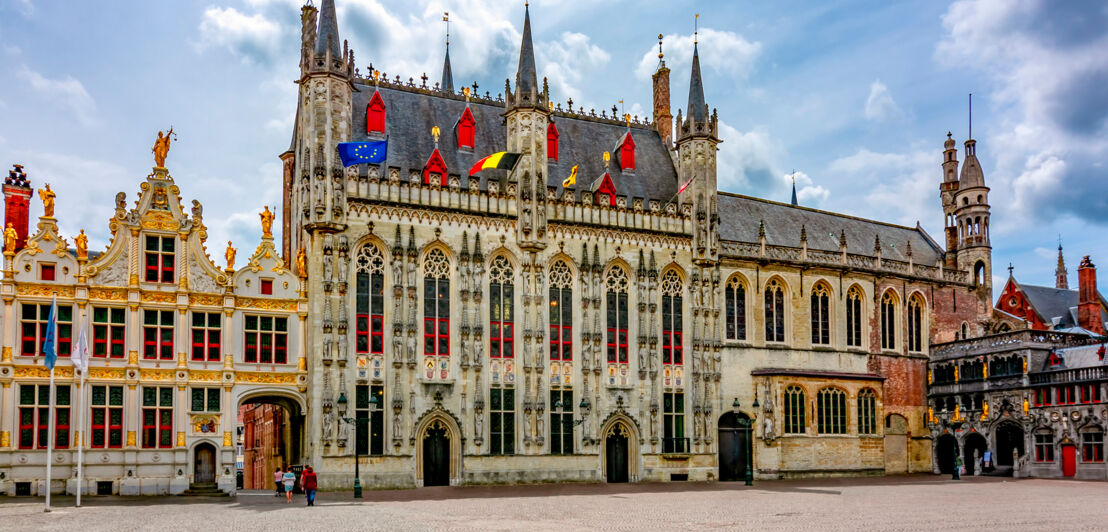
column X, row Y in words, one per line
column 821, row 322
column 775, row 312
column 616, row 284
column 854, row 317
column 672, row 327
column 500, row 309
column 915, row 324
column 502, row 433
column 436, row 307
column 831, row 411
column 370, row 304
column 888, row 321
column 561, row 312
column 794, row 410
column 867, row 412
column 735, row 299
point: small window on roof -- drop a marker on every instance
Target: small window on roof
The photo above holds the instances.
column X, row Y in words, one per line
column 552, row 142
column 267, row 287
column 375, row 115
column 46, row 272
column 466, row 130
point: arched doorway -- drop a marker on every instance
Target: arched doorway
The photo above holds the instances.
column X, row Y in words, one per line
column 272, row 435
column 973, row 443
column 203, row 469
column 616, row 454
column 734, row 446
column 436, row 456
column 946, row 448
column 1009, row 437
column 896, row 444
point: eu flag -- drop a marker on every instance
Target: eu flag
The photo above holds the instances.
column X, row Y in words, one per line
column 372, row 152
column 49, row 345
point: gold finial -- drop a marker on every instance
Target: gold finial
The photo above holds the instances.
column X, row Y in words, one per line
column 376, row 77
column 659, row 46
column 230, row 255
column 607, row 157
column 627, row 118
column 82, row 245
column 267, row 222
column 465, row 91
column 550, row 106
column 47, row 197
column 435, row 134
column 696, row 29
column 446, row 19
column 161, row 147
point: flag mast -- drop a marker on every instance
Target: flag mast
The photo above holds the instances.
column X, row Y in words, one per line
column 49, row 350
column 80, row 360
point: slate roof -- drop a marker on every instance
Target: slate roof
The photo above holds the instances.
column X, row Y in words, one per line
column 1084, row 356
column 328, row 27
column 411, row 113
column 1049, row 303
column 739, row 217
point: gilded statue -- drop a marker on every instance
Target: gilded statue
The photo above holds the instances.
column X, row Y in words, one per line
column 10, row 238
column 302, row 263
column 230, row 254
column 82, row 245
column 267, row 222
column 161, row 147
column 47, row 197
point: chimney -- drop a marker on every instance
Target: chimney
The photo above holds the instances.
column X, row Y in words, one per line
column 1088, row 300
column 663, row 120
column 17, row 200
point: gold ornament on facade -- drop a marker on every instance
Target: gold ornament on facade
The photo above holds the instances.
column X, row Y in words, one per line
column 206, row 300
column 47, row 196
column 159, row 221
column 131, row 438
column 82, row 246
column 5, row 440
column 265, row 377
column 157, row 374
column 181, row 439
column 109, row 294
column 227, row 440
column 161, row 147
column 106, row 374
column 267, row 222
column 159, row 297
column 266, row 304
column 40, row 372
column 302, row 263
column 204, row 376
column 230, row 256
column 6, row 355
column 11, row 237
column 40, row 290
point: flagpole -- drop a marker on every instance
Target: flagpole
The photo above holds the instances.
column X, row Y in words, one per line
column 50, row 346
column 82, row 434
column 50, row 440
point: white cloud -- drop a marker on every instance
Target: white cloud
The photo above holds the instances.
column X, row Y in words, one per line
column 254, row 38
column 880, row 106
column 745, row 162
column 898, row 187
column 67, row 92
column 725, row 52
column 566, row 61
column 808, row 193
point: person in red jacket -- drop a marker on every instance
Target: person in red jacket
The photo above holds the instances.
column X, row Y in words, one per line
column 308, row 483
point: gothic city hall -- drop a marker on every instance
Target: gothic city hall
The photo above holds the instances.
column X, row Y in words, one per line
column 483, row 288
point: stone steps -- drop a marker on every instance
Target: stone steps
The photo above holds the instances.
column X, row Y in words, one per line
column 204, row 490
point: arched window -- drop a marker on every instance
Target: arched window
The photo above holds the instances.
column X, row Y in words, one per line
column 794, row 410
column 915, row 324
column 616, row 284
column 552, row 142
column 888, row 321
column 466, row 129
column 561, row 312
column 775, row 312
column 672, row 327
column 854, row 317
column 375, row 115
column 501, row 296
column 831, row 411
column 821, row 322
column 436, row 312
column 369, row 326
column 965, row 331
column 867, row 412
column 979, row 273
column 735, row 299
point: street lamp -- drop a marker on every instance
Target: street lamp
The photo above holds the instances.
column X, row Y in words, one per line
column 357, row 422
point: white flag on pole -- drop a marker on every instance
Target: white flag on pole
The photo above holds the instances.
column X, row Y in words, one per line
column 80, row 351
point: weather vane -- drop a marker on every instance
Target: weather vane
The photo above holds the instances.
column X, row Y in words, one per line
column 695, row 31
column 446, row 19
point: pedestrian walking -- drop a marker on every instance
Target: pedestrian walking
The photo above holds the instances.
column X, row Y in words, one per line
column 289, row 481
column 957, row 468
column 309, row 482
column 278, row 476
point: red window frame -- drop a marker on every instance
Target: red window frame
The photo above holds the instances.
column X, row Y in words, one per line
column 33, row 321
column 206, row 335
column 266, row 288
column 561, row 324
column 435, row 165
column 627, row 153
column 110, row 427
column 1044, row 447
column 672, row 327
column 501, row 330
column 375, row 114
column 369, row 322
column 617, row 327
column 1066, row 395
column 47, row 272
column 1044, row 397
column 466, row 130
column 552, row 142
column 607, row 187
column 157, row 418
column 265, row 339
column 157, row 335
column 109, row 334
column 34, row 420
column 436, row 322
column 1090, row 393
column 160, row 258
column 1092, row 451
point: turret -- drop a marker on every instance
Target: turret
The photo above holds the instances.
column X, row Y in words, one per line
column 971, row 213
column 17, row 199
column 527, row 117
column 947, row 188
column 696, row 166
column 663, row 120
column 1088, row 299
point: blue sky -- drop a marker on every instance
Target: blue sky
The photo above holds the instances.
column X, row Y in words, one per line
column 856, row 97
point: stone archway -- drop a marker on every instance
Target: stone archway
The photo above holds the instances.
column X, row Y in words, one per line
column 973, row 444
column 1009, row 437
column 620, row 460
column 438, row 450
column 204, row 463
column 735, row 446
column 273, row 423
column 946, row 450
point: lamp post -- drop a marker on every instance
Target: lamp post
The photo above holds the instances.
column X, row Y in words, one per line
column 357, row 422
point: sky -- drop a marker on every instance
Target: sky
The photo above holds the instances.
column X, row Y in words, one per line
column 853, row 98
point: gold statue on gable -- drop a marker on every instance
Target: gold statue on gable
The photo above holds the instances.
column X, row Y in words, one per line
column 267, row 222
column 81, row 241
column 47, row 197
column 230, row 255
column 302, row 263
column 161, row 147
column 10, row 238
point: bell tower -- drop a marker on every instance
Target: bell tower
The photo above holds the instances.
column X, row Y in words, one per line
column 697, row 137
column 971, row 217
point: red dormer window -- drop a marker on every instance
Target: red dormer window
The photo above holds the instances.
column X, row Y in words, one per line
column 435, row 165
column 607, row 187
column 375, row 115
column 1054, row 360
column 627, row 153
column 552, row 142
column 466, row 129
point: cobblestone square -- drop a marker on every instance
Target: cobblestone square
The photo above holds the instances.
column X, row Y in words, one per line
column 880, row 503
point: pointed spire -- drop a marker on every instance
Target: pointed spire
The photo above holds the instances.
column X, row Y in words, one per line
column 328, row 36
column 584, row 255
column 697, row 109
column 526, row 80
column 465, row 246
column 447, row 84
column 795, row 204
column 1060, row 280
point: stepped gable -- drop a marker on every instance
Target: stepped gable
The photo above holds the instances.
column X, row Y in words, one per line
column 412, row 112
column 739, row 216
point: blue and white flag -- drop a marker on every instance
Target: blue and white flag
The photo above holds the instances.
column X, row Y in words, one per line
column 49, row 344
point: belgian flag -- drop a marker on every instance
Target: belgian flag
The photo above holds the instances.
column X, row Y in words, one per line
column 499, row 160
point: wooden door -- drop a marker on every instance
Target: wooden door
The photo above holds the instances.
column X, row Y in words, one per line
column 204, row 469
column 1069, row 460
column 616, row 456
column 436, row 458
